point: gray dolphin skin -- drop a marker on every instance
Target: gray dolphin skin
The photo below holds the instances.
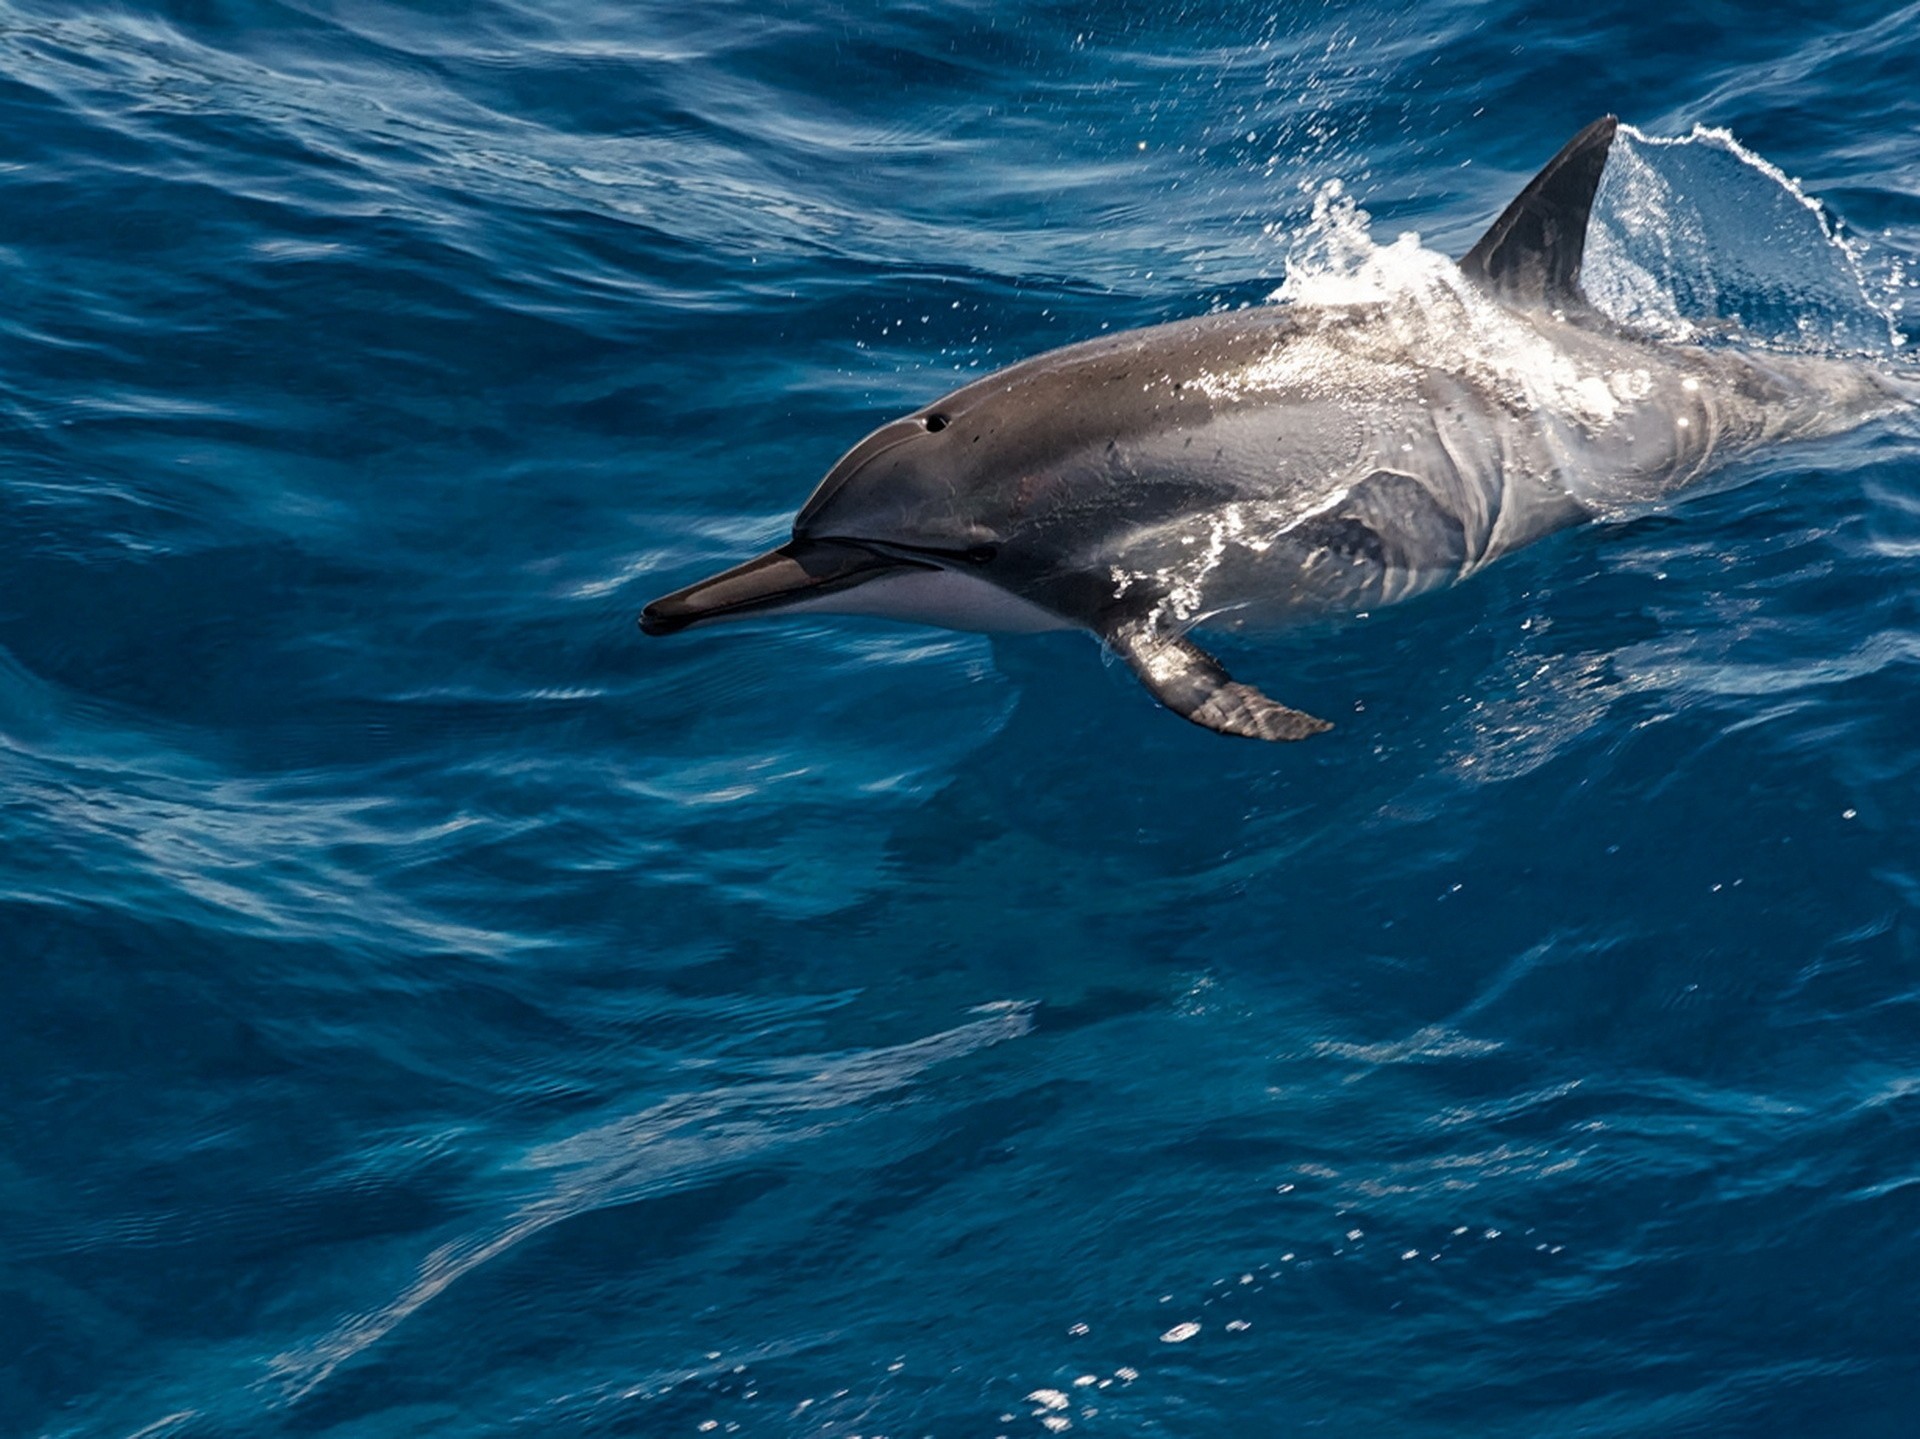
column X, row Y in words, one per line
column 1283, row 462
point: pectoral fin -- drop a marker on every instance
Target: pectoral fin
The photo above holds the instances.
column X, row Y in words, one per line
column 1196, row 686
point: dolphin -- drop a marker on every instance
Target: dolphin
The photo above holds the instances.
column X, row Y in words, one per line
column 1284, row 461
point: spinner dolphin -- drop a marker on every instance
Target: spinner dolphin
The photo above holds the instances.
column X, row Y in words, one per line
column 1282, row 462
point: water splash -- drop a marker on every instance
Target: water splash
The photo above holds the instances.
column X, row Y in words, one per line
column 1428, row 308
column 1692, row 237
column 1696, row 235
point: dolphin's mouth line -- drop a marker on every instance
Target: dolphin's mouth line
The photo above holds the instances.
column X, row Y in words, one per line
column 929, row 556
column 799, row 570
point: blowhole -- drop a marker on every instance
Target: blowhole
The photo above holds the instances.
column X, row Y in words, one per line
column 934, row 423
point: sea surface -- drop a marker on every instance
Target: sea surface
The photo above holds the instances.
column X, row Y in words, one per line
column 430, row 1007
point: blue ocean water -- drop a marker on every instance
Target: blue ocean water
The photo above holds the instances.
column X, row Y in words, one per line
column 432, row 1008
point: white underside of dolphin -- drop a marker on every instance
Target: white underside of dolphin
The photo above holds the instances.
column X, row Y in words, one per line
column 950, row 599
column 1319, row 457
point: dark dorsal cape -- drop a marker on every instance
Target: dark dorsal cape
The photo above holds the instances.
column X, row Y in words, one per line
column 1531, row 255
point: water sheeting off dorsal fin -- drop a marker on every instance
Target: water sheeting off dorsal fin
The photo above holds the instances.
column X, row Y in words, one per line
column 1531, row 255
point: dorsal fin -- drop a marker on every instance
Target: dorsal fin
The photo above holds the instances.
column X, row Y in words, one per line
column 1531, row 255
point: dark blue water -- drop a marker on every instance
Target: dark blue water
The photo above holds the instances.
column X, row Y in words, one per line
column 432, row 1008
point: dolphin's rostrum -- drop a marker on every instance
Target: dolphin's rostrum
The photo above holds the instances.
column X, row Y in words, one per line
column 1282, row 461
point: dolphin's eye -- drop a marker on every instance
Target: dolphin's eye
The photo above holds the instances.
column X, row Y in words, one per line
column 935, row 423
column 982, row 554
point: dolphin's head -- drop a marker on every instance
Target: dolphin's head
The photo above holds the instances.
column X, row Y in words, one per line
column 899, row 502
column 907, row 488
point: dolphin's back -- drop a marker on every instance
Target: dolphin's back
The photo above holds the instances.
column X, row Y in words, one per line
column 1329, row 468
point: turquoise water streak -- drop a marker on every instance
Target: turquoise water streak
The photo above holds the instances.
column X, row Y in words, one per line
column 432, row 1008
